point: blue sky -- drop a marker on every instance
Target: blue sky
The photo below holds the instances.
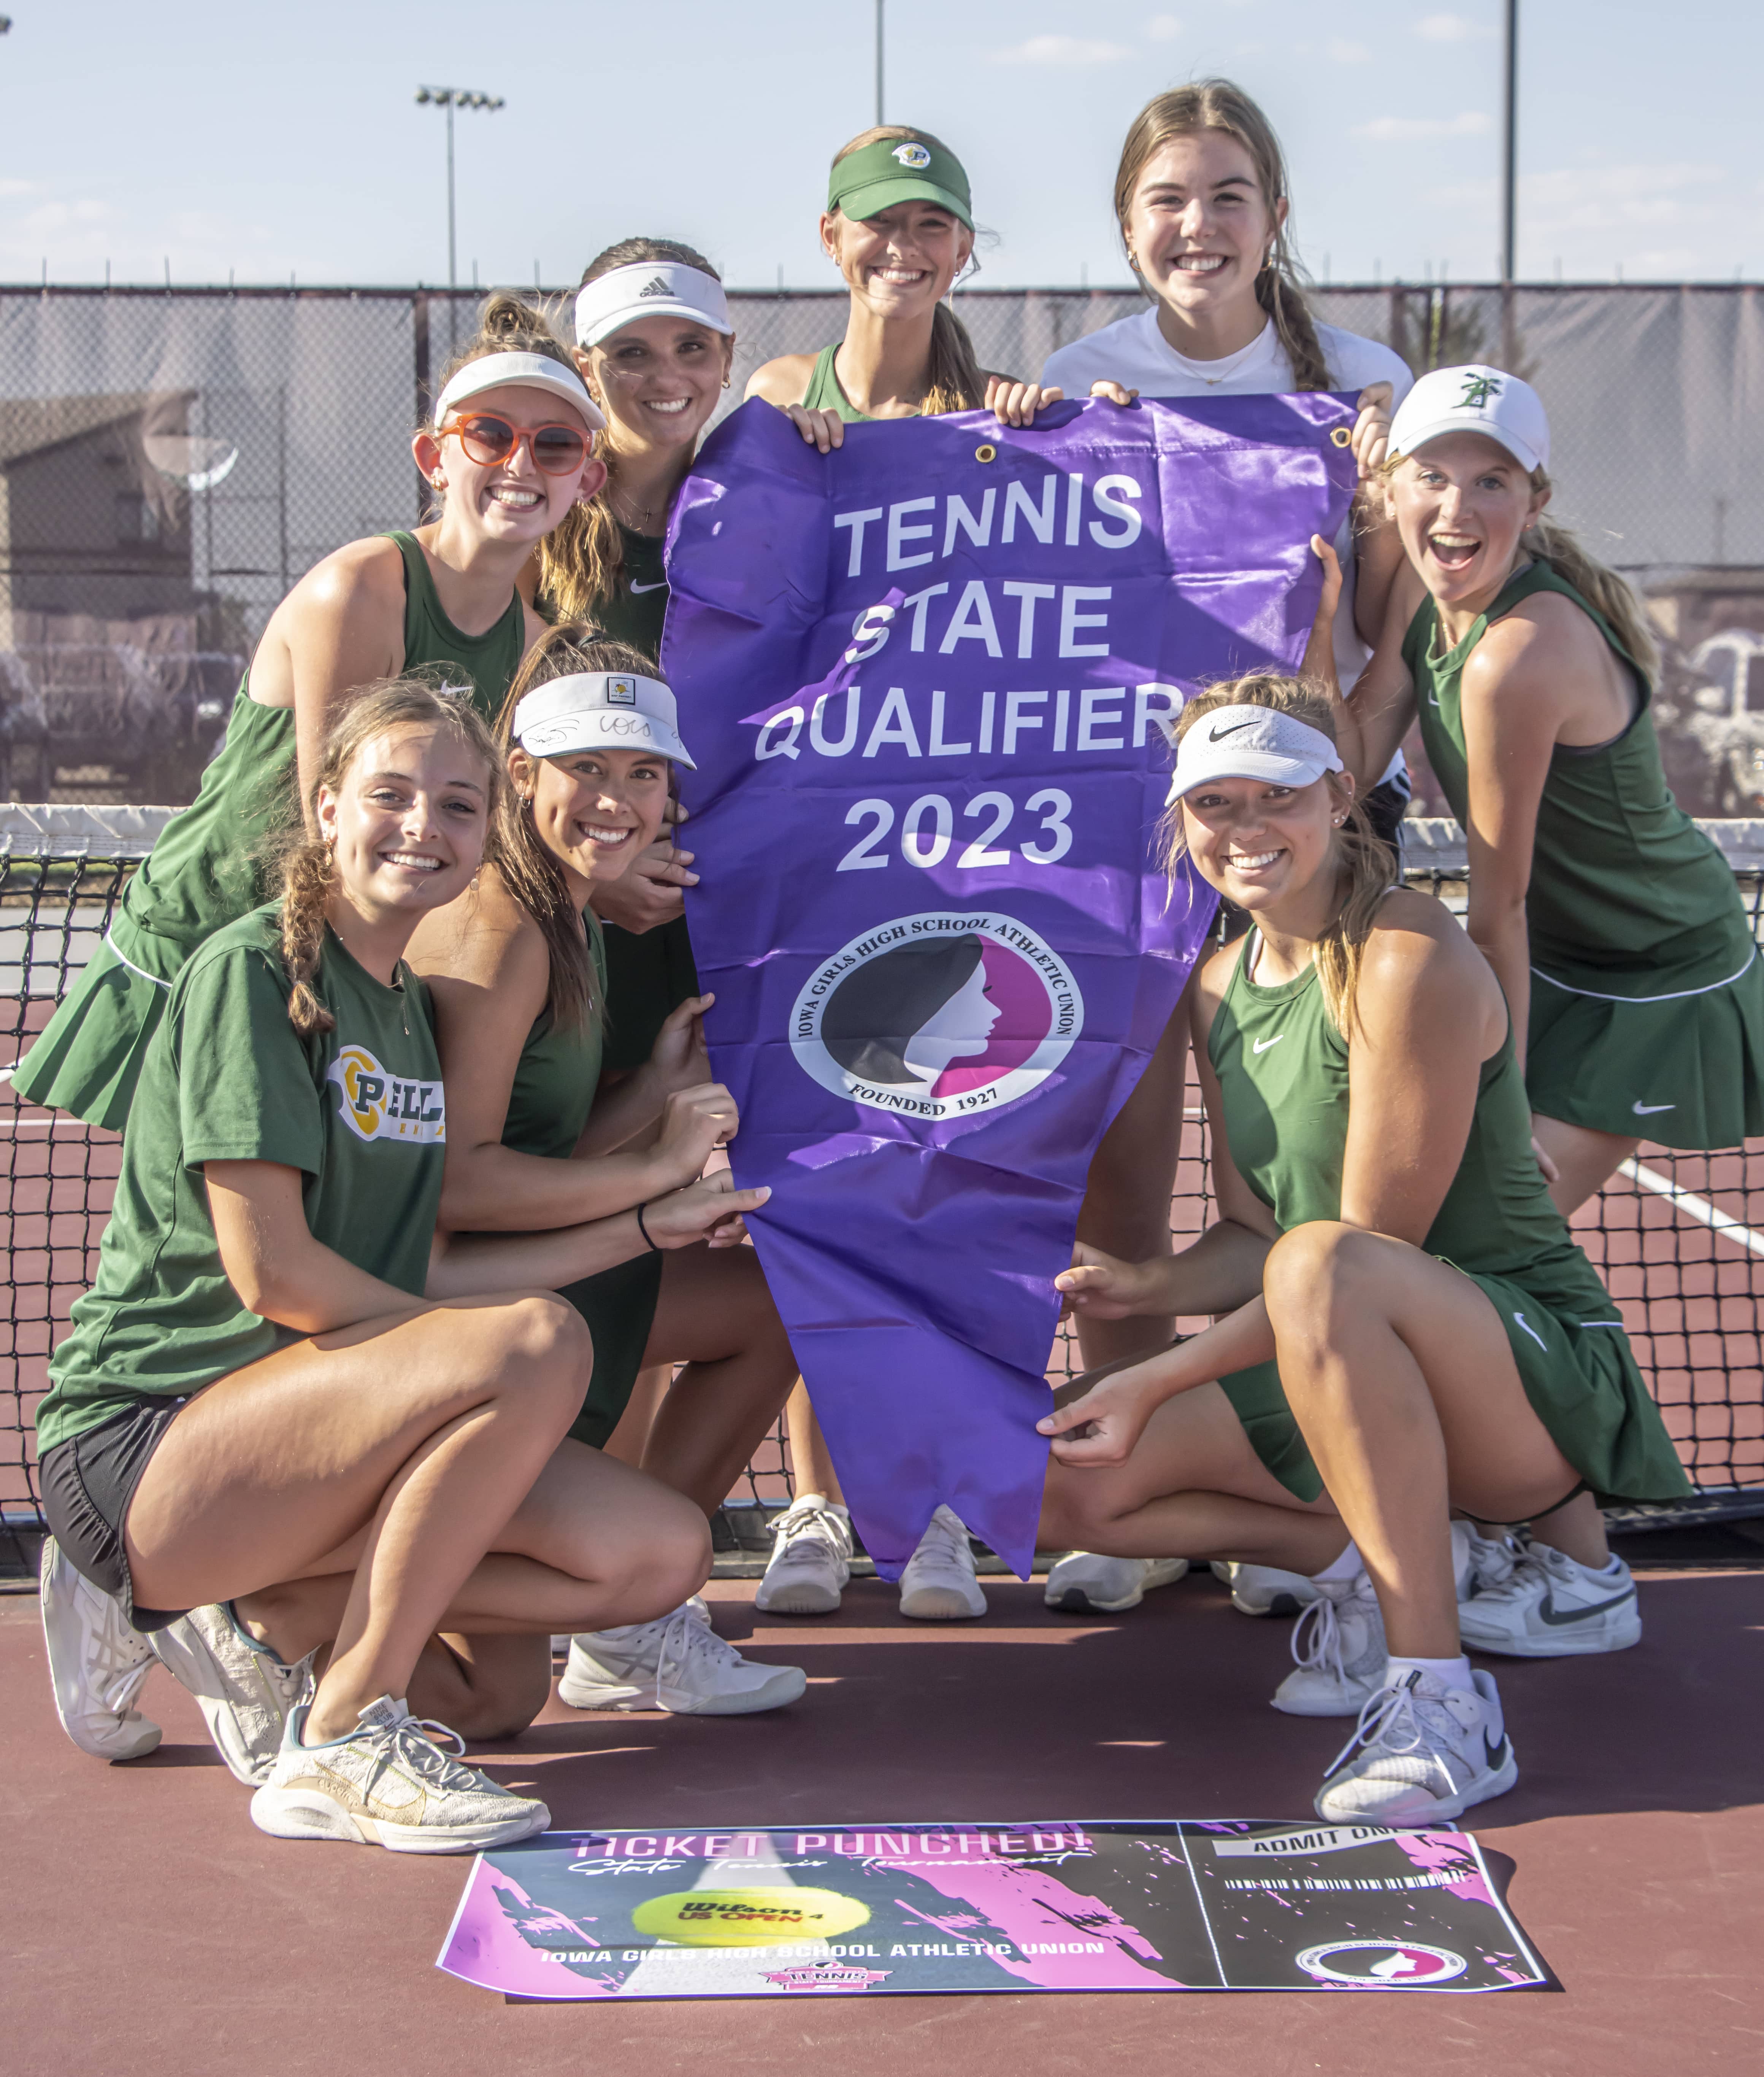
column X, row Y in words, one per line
column 269, row 141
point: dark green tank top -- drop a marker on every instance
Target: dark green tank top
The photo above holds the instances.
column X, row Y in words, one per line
column 557, row 1075
column 1628, row 898
column 204, row 870
column 634, row 611
column 1284, row 1083
column 825, row 394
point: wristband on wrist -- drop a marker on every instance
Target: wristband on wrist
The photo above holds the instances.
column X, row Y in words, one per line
column 654, row 1249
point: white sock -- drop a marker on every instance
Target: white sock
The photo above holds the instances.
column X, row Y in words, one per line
column 1339, row 1570
column 1455, row 1672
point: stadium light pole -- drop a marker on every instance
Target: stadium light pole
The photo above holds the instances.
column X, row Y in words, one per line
column 880, row 118
column 1509, row 139
column 451, row 97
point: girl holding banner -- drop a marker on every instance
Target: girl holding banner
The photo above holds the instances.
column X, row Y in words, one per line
column 533, row 1143
column 1611, row 923
column 1201, row 198
column 899, row 225
column 288, row 1410
column 508, row 450
column 1385, row 1234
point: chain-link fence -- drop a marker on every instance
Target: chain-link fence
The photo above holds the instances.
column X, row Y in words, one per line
column 171, row 462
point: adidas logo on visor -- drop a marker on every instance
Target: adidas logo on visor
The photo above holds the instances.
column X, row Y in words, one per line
column 658, row 287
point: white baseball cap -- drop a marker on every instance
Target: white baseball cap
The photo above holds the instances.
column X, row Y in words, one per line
column 649, row 288
column 1251, row 742
column 601, row 710
column 1474, row 400
column 527, row 371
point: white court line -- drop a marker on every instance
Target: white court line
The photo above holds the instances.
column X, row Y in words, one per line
column 1694, row 1207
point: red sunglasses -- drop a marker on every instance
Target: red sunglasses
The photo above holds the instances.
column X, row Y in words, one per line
column 557, row 450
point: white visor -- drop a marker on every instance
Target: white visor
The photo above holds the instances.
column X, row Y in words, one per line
column 601, row 710
column 529, row 371
column 651, row 289
column 1251, row 742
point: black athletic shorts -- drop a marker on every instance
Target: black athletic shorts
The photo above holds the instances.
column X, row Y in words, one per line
column 88, row 1482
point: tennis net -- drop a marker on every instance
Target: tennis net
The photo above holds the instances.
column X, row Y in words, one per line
column 1678, row 1238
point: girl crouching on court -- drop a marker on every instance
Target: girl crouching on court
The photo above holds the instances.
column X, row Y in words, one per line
column 1402, row 1319
column 280, row 1376
column 535, row 1143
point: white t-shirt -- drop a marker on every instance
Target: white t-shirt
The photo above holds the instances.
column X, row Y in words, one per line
column 1135, row 354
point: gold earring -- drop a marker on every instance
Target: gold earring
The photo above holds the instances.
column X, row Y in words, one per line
column 438, row 480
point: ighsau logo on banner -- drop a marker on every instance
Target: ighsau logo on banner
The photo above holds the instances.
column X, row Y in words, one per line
column 939, row 1015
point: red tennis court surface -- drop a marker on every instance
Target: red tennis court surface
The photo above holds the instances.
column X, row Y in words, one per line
column 148, row 1929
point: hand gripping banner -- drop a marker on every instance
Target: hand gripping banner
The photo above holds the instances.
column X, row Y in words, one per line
column 927, row 678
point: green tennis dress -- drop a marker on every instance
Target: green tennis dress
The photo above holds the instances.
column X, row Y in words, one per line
column 649, row 973
column 555, row 1081
column 1283, row 1070
column 1647, row 1002
column 824, row 393
column 358, row 1110
column 206, row 869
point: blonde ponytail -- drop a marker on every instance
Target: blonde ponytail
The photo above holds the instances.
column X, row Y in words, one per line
column 1368, row 864
column 1603, row 589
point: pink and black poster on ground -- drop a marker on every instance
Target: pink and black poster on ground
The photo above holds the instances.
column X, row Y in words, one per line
column 1184, row 1905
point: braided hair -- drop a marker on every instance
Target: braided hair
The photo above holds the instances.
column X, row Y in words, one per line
column 309, row 869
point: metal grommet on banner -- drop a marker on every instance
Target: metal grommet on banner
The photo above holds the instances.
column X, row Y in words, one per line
column 1341, row 437
column 986, row 452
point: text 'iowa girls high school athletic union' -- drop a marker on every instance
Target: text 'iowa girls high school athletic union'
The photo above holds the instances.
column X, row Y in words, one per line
column 926, row 678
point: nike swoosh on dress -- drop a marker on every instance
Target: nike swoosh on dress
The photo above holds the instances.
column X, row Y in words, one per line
column 1261, row 1044
column 659, row 584
column 1646, row 1110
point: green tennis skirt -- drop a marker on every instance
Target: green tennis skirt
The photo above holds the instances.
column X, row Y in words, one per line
column 87, row 1059
column 1683, row 1069
column 1580, row 1376
column 619, row 1307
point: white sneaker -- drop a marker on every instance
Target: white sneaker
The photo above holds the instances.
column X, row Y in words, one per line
column 1264, row 1590
column 1086, row 1583
column 939, row 1584
column 1550, row 1606
column 677, row 1663
column 811, row 1560
column 1339, row 1650
column 1480, row 1562
column 97, row 1660
column 243, row 1690
column 1420, row 1751
column 389, row 1784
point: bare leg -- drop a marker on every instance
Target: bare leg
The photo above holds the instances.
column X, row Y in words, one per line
column 1194, row 1488
column 811, row 1462
column 631, row 1437
column 1585, row 1160
column 1127, row 1207
column 715, row 1314
column 1399, row 1371
column 403, row 1451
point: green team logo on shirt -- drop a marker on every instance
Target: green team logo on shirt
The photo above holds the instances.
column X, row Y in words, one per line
column 1478, row 389
column 376, row 1104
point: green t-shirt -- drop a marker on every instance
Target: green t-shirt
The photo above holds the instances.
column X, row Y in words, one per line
column 824, row 393
column 358, row 1110
column 634, row 609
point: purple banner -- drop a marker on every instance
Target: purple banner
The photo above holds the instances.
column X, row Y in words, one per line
column 861, row 1910
column 927, row 680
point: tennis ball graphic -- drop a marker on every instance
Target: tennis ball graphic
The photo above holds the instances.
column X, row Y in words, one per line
column 748, row 1918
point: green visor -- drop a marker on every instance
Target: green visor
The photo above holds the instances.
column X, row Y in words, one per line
column 893, row 170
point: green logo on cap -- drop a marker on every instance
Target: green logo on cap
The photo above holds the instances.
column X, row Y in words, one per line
column 1478, row 389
